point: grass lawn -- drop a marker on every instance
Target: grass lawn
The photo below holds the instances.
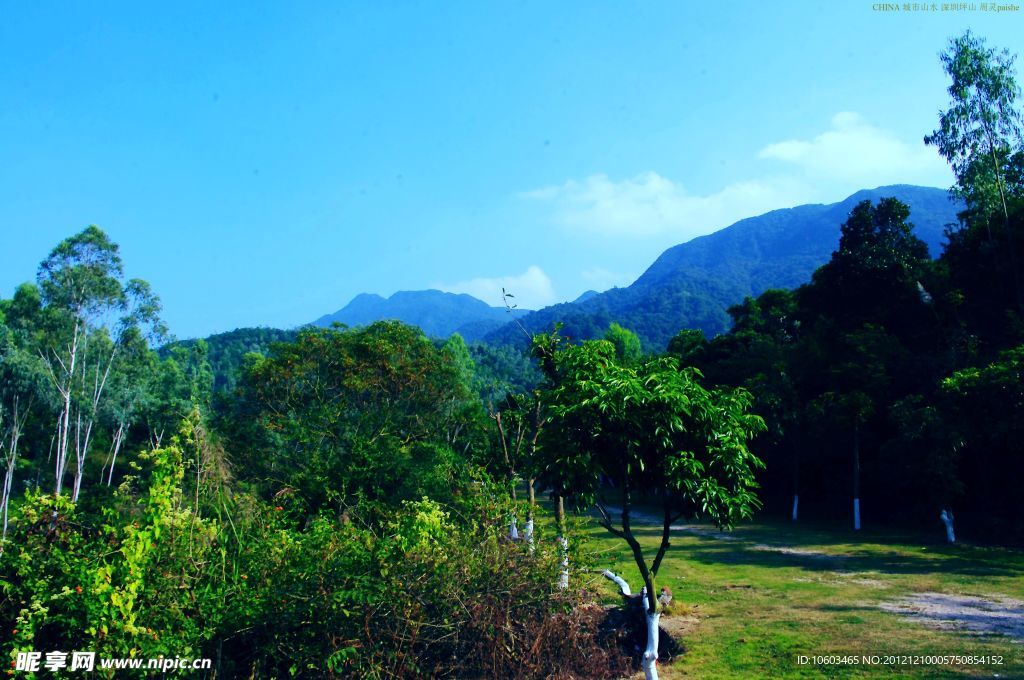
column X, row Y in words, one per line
column 753, row 610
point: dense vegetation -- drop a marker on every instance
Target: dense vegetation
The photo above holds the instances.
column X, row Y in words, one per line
column 348, row 502
column 226, row 352
column 344, row 482
column 891, row 377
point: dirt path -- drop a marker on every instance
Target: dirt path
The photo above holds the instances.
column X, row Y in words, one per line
column 975, row 615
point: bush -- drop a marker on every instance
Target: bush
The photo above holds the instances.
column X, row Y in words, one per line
column 269, row 590
column 418, row 595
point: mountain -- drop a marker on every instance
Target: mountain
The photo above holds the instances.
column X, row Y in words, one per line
column 439, row 314
column 691, row 285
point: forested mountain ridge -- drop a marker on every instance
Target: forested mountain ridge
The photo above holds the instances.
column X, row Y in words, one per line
column 691, row 285
column 226, row 351
column 438, row 313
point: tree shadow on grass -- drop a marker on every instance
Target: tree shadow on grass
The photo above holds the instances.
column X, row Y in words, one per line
column 735, row 550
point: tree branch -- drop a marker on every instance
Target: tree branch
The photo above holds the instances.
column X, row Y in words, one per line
column 619, row 581
column 606, row 521
column 665, row 529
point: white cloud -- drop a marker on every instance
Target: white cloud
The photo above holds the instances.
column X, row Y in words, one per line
column 532, row 289
column 600, row 279
column 861, row 155
column 851, row 155
column 649, row 204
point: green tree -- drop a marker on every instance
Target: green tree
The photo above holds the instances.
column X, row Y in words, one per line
column 986, row 414
column 981, row 131
column 772, row 313
column 342, row 414
column 651, row 430
column 517, row 419
column 88, row 313
column 23, row 391
column 500, row 370
column 874, row 275
column 758, row 356
column 626, row 343
column 688, row 346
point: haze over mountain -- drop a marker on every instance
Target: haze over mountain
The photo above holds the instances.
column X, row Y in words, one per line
column 439, row 314
column 691, row 285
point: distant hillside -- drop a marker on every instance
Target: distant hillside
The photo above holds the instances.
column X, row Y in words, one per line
column 226, row 351
column 439, row 314
column 691, row 285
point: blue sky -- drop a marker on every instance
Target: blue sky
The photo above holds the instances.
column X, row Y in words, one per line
column 263, row 163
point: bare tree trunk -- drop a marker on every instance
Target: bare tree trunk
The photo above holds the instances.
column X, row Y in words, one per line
column 947, row 518
column 563, row 543
column 647, row 594
column 560, row 514
column 79, row 458
column 11, row 457
column 62, row 450
column 63, row 426
column 82, row 446
column 64, row 385
column 648, row 597
column 122, row 431
column 856, row 476
column 796, row 481
column 8, row 478
column 528, row 532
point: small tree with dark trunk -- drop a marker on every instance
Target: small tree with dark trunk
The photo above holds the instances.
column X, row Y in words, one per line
column 651, row 431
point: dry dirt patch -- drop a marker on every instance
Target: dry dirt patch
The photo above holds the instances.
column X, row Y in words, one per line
column 976, row 615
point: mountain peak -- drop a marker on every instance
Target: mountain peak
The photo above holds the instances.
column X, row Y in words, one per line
column 584, row 296
column 437, row 312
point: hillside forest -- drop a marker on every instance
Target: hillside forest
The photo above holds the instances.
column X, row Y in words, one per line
column 373, row 502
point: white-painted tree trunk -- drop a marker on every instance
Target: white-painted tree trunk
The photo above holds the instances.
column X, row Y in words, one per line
column 947, row 519
column 856, row 514
column 528, row 534
column 619, row 581
column 650, row 660
column 513, row 530
column 796, row 505
column 563, row 548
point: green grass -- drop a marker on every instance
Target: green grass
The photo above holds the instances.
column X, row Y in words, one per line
column 758, row 610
